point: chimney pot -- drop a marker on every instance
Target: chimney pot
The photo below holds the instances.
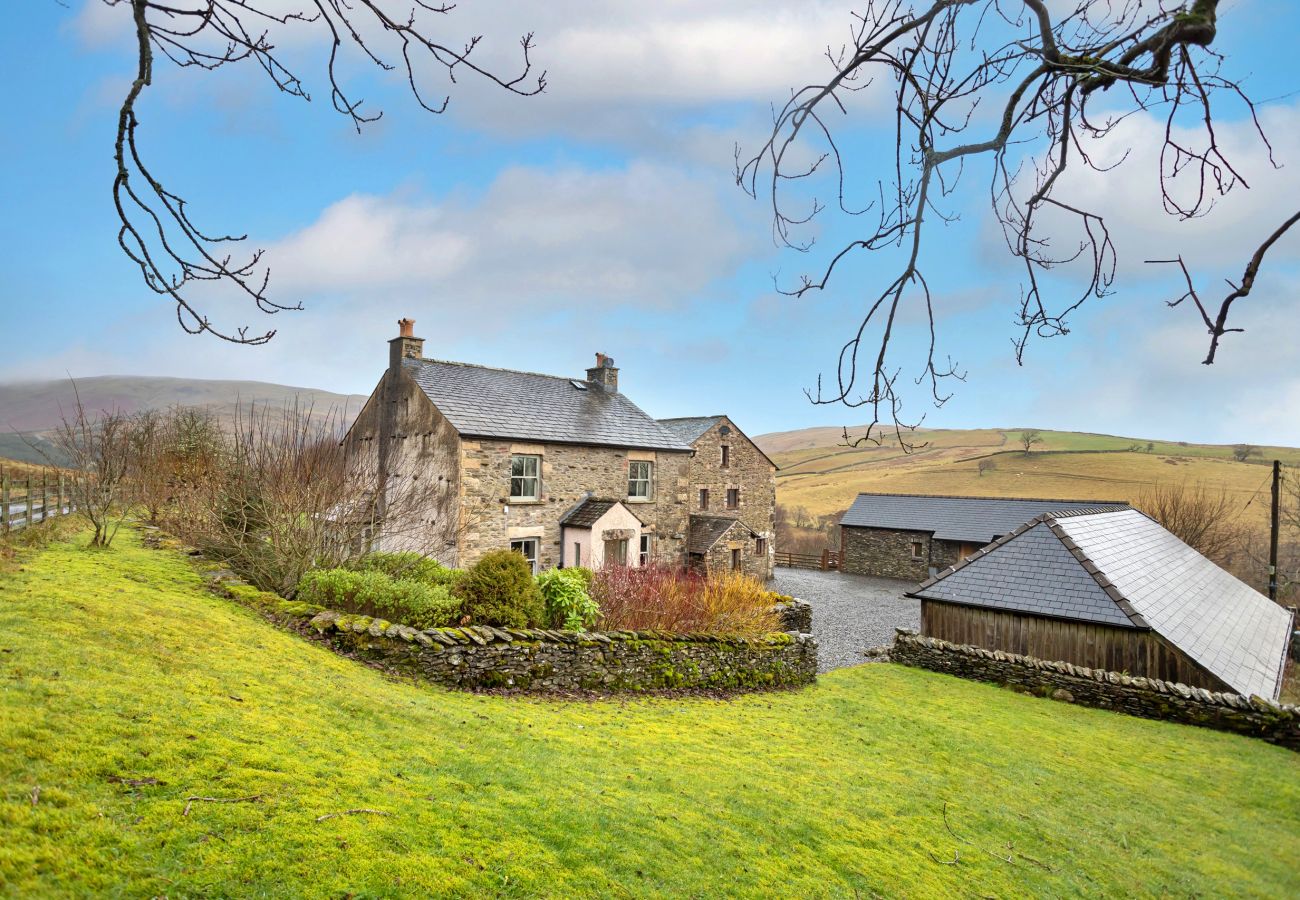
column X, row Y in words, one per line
column 604, row 375
column 406, row 345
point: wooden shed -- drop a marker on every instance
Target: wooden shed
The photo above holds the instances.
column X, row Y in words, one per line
column 1111, row 589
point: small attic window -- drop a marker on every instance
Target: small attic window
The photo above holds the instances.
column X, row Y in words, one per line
column 580, row 385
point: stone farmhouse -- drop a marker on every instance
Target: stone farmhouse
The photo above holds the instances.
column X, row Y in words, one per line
column 1112, row 590
column 913, row 536
column 566, row 471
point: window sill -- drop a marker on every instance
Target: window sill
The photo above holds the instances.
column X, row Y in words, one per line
column 639, row 500
column 522, row 501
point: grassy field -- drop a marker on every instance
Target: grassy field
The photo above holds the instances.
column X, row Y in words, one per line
column 126, row 688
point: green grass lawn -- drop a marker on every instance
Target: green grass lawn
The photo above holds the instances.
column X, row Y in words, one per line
column 118, row 665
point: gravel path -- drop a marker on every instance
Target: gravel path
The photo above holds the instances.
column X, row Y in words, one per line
column 849, row 612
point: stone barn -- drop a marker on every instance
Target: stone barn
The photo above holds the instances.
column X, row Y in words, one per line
column 913, row 536
column 1113, row 590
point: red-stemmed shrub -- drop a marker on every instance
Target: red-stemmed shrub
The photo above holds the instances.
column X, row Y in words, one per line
column 669, row 599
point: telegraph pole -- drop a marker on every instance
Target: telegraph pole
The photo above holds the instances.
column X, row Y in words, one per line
column 1272, row 531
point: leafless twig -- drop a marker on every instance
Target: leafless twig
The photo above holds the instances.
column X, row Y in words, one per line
column 256, row 798
column 353, row 812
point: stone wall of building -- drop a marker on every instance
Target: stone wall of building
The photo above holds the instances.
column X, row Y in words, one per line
column 490, row 519
column 1149, row 698
column 560, row 661
column 749, row 472
column 888, row 554
column 401, row 441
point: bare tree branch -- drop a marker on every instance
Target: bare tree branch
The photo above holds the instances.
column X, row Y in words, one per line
column 1040, row 65
column 156, row 231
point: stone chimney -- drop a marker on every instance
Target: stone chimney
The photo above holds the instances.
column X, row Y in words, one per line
column 604, row 375
column 406, row 345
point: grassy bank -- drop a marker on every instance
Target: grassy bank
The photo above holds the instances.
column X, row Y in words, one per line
column 125, row 688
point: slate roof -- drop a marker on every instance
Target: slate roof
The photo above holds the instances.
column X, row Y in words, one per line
column 689, row 428
column 708, row 530
column 1149, row 578
column 499, row 403
column 974, row 519
column 588, row 513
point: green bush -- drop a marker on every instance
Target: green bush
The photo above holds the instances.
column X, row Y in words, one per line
column 375, row 593
column 409, row 566
column 499, row 590
column 568, row 605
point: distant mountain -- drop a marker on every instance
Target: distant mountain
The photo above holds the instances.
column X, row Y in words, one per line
column 29, row 410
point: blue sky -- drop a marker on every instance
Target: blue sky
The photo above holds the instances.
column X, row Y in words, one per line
column 603, row 215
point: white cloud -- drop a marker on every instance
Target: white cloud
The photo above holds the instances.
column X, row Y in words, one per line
column 1126, row 191
column 644, row 234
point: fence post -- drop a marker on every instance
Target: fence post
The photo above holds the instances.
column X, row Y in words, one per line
column 45, row 494
column 59, row 503
column 826, row 559
column 4, row 503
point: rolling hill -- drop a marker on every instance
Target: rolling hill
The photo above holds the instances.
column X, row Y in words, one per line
column 822, row 476
column 29, row 410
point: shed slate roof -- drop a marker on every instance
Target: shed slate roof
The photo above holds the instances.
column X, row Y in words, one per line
column 499, row 403
column 588, row 512
column 1150, row 578
column 708, row 530
column 974, row 519
column 689, row 428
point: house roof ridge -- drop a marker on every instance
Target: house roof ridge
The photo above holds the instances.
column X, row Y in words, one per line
column 1098, row 574
column 452, row 362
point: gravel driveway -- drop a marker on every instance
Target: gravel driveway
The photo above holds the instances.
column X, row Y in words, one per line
column 849, row 612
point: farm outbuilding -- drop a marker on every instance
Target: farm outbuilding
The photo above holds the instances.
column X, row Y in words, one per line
column 1111, row 589
column 913, row 536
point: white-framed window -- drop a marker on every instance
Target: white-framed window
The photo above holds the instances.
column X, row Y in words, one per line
column 647, row 548
column 577, row 553
column 528, row 547
column 639, row 475
column 525, row 477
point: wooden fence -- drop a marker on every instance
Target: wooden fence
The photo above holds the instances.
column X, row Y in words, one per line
column 24, row 501
column 828, row 560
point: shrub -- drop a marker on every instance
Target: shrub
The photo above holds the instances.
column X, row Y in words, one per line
column 568, row 605
column 667, row 599
column 409, row 566
column 499, row 590
column 376, row 593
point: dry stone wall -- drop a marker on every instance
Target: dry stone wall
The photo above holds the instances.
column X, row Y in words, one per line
column 796, row 615
column 561, row 661
column 1149, row 698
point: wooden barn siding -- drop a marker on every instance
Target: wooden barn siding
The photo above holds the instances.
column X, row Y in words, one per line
column 1142, row 653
